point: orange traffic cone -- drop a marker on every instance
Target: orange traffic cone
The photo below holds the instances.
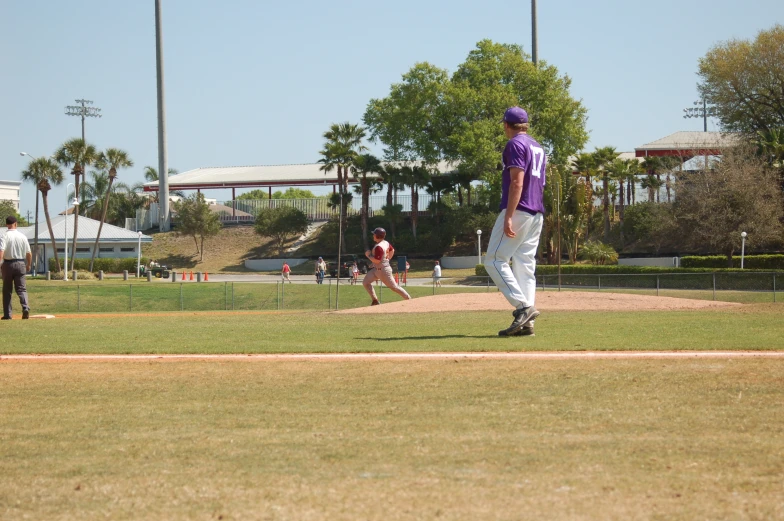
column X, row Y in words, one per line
column 206, row 276
column 183, row 276
column 396, row 279
column 191, row 276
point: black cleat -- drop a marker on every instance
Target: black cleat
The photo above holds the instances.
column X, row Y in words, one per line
column 25, row 314
column 375, row 302
column 522, row 317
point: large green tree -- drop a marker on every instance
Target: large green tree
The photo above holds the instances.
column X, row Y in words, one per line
column 195, row 219
column 430, row 116
column 740, row 194
column 744, row 81
column 365, row 169
column 281, row 225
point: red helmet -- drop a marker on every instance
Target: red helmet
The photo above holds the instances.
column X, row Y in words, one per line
column 380, row 232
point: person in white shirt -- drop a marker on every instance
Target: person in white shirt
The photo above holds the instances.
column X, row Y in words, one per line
column 437, row 274
column 17, row 259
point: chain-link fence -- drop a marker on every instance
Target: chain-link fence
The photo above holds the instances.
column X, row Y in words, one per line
column 751, row 287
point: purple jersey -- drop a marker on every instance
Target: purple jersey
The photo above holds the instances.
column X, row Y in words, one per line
column 523, row 152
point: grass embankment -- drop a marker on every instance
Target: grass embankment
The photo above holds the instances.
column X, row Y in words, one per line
column 462, row 440
column 757, row 327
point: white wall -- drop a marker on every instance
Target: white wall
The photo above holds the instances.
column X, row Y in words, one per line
column 271, row 264
column 459, row 263
column 666, row 262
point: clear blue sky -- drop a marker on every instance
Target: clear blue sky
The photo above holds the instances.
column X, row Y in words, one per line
column 253, row 82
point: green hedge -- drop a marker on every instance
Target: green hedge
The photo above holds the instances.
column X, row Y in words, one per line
column 752, row 262
column 591, row 269
column 107, row 265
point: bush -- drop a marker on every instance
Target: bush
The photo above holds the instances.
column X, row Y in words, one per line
column 754, row 262
column 599, row 253
column 80, row 275
column 480, row 270
column 107, row 265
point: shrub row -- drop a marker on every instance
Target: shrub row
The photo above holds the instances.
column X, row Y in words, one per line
column 107, row 265
column 591, row 269
column 754, row 262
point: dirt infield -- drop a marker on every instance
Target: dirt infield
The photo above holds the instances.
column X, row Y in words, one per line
column 552, row 301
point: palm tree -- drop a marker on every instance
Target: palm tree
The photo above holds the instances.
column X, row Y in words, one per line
column 111, row 160
column 436, row 186
column 603, row 157
column 91, row 193
column 363, row 166
column 78, row 153
column 653, row 168
column 44, row 172
column 391, row 176
column 150, row 175
column 343, row 146
column 415, row 176
column 652, row 184
column 585, row 165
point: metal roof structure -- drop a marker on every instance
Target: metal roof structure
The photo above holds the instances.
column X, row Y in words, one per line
column 88, row 229
column 689, row 144
column 259, row 176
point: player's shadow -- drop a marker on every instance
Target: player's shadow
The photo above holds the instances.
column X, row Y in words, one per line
column 434, row 337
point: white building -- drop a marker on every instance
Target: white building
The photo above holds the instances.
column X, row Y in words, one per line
column 115, row 242
column 9, row 191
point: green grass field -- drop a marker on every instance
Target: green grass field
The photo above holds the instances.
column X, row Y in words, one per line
column 450, row 439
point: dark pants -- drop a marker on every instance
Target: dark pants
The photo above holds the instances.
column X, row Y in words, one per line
column 14, row 274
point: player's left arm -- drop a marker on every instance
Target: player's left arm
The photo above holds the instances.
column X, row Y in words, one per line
column 517, row 175
column 28, row 260
column 390, row 252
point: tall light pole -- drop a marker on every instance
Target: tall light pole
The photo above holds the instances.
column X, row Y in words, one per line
column 700, row 112
column 340, row 242
column 75, row 204
column 479, row 246
column 163, row 169
column 534, row 39
column 35, row 240
column 83, row 111
column 742, row 247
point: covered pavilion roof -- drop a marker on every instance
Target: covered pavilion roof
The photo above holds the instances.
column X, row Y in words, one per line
column 258, row 176
column 689, row 144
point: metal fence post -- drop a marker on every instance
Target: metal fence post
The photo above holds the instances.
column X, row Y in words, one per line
column 182, row 305
column 130, row 295
column 79, row 298
column 329, row 294
column 774, row 287
column 282, row 295
column 657, row 285
column 232, row 296
column 225, row 295
column 544, row 286
column 714, row 286
column 600, row 282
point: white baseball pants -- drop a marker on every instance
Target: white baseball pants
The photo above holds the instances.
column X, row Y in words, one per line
column 517, row 282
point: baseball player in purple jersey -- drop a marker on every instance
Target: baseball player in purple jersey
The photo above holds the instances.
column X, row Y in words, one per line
column 379, row 256
column 516, row 232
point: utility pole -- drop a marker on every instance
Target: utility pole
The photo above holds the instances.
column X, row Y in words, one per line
column 163, row 168
column 535, row 40
column 83, row 111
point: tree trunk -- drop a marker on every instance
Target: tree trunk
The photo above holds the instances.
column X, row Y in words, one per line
column 414, row 209
column 460, row 196
column 196, row 240
column 201, row 250
column 76, row 215
column 364, row 212
column 45, row 201
column 390, row 188
column 606, row 207
column 103, row 219
column 620, row 211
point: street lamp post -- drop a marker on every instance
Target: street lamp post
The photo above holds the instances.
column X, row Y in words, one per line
column 479, row 246
column 139, row 255
column 75, row 204
column 742, row 247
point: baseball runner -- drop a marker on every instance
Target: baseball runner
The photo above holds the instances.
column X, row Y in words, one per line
column 518, row 226
column 381, row 270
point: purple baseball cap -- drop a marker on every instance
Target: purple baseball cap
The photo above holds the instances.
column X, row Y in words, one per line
column 515, row 116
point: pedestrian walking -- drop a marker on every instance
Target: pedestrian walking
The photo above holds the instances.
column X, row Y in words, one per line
column 17, row 259
column 285, row 272
column 437, row 274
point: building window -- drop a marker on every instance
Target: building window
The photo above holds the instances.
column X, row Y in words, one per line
column 82, row 250
column 60, row 250
column 127, row 249
column 106, row 250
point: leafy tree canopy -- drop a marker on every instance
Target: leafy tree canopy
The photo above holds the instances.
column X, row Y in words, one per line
column 429, row 116
column 195, row 219
column 281, row 224
column 7, row 209
column 293, row 193
column 744, row 80
column 254, row 195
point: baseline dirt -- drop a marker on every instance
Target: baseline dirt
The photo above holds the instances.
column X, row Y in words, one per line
column 552, row 301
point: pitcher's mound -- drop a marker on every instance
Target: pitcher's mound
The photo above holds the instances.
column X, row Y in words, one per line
column 545, row 301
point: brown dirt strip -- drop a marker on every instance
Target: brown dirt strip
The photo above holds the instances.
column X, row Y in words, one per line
column 339, row 357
